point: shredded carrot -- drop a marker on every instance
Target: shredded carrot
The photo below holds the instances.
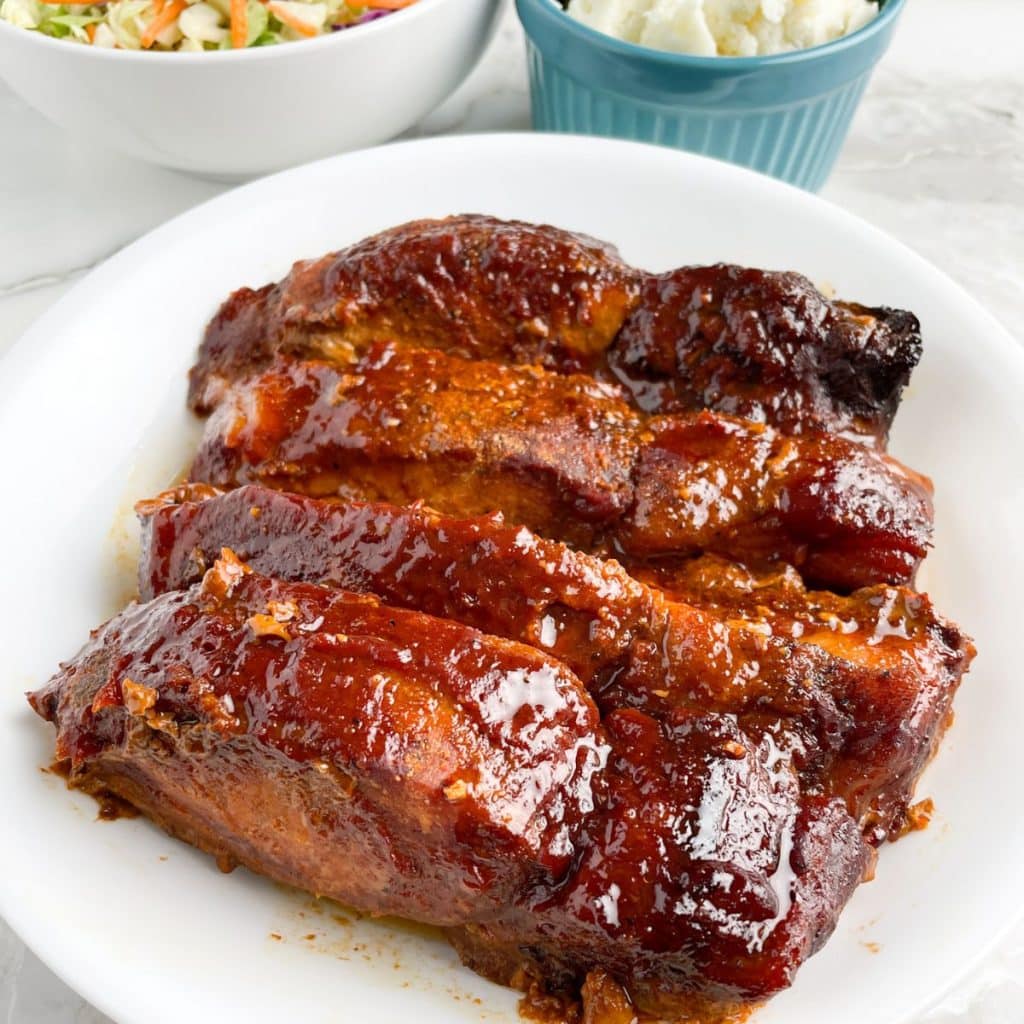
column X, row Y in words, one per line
column 389, row 5
column 239, row 24
column 90, row 31
column 290, row 20
column 166, row 16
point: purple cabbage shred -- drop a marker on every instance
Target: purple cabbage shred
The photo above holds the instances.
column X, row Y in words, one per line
column 361, row 20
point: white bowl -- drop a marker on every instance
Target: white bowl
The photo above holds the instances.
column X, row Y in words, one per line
column 237, row 114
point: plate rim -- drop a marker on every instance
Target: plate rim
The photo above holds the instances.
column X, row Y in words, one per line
column 1014, row 349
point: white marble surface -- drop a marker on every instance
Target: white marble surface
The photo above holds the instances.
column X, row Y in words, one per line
column 936, row 158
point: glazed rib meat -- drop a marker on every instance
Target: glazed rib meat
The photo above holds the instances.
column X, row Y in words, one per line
column 720, row 887
column 560, row 604
column 767, row 347
column 408, row 765
column 868, row 683
column 568, row 458
column 405, row 764
column 915, row 660
column 750, row 343
column 475, row 286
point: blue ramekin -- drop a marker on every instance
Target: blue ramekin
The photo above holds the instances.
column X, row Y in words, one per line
column 786, row 115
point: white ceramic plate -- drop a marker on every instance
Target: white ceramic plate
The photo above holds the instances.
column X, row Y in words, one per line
column 93, row 417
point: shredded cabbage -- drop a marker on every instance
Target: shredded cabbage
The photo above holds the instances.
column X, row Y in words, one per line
column 202, row 25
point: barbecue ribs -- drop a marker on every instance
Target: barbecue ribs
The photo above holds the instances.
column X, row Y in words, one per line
column 566, row 457
column 475, row 286
column 765, row 346
column 556, row 603
column 410, row 765
column 866, row 680
column 360, row 726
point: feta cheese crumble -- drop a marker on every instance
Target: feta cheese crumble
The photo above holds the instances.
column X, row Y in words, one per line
column 725, row 28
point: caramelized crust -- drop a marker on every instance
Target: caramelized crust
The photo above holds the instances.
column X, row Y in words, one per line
column 910, row 660
column 750, row 343
column 423, row 768
column 767, row 347
column 865, row 686
column 549, row 451
column 718, row 889
column 468, row 785
column 472, row 285
column 846, row 515
column 629, row 755
column 567, row 458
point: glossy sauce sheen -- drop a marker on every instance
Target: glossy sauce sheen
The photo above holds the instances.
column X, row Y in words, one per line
column 566, row 457
column 856, row 688
column 767, row 347
column 910, row 660
column 470, row 771
column 704, row 865
column 752, row 343
column 586, row 711
column 473, row 759
column 475, row 286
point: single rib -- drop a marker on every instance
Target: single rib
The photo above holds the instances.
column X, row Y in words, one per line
column 758, row 344
column 568, row 458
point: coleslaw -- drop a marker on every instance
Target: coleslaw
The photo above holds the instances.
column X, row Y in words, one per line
column 193, row 25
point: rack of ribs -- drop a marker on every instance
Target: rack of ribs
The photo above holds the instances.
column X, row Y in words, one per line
column 567, row 457
column 556, row 603
column 411, row 765
column 751, row 343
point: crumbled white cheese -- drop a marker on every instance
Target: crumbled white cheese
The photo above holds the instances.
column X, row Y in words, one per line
column 725, row 28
